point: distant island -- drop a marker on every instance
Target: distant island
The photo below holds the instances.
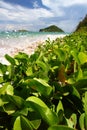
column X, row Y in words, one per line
column 82, row 26
column 23, row 30
column 51, row 28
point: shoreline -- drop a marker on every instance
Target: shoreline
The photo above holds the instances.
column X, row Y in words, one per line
column 28, row 49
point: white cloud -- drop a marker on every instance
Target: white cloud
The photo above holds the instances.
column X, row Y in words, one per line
column 58, row 7
column 62, row 3
column 70, row 12
column 61, row 13
column 54, row 6
column 19, row 14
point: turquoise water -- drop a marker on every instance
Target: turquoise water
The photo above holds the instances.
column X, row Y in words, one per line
column 25, row 38
column 18, row 34
column 13, row 34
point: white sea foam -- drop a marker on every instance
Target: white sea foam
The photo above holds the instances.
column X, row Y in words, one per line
column 25, row 43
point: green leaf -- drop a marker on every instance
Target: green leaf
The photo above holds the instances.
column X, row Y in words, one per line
column 82, row 121
column 60, row 127
column 10, row 59
column 3, row 88
column 17, row 124
column 82, row 57
column 61, row 54
column 86, row 121
column 75, row 92
column 1, row 79
column 18, row 101
column 24, row 111
column 80, row 74
column 60, row 111
column 26, row 124
column 42, row 65
column 3, row 100
column 74, row 119
column 22, row 123
column 29, row 71
column 70, row 81
column 74, row 53
column 60, row 106
column 85, row 102
column 21, row 57
column 40, row 85
column 36, row 123
column 39, row 106
column 7, row 89
column 10, row 70
column 9, row 108
column 10, row 90
column 71, row 89
column 70, row 123
column 3, row 68
column 81, row 85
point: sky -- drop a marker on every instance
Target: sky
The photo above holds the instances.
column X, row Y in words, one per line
column 36, row 14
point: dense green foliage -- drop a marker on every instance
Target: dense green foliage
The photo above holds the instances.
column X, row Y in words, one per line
column 48, row 89
column 82, row 26
column 51, row 28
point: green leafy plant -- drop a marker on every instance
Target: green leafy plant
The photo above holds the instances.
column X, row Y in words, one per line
column 48, row 89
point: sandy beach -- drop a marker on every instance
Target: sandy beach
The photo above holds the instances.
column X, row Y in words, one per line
column 15, row 47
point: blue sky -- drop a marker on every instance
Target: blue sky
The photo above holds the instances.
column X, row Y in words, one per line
column 35, row 14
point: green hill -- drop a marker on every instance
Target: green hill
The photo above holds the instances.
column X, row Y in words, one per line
column 51, row 28
column 23, row 30
column 82, row 26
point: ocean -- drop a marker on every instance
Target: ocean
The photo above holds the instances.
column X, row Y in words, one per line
column 12, row 42
column 24, row 38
